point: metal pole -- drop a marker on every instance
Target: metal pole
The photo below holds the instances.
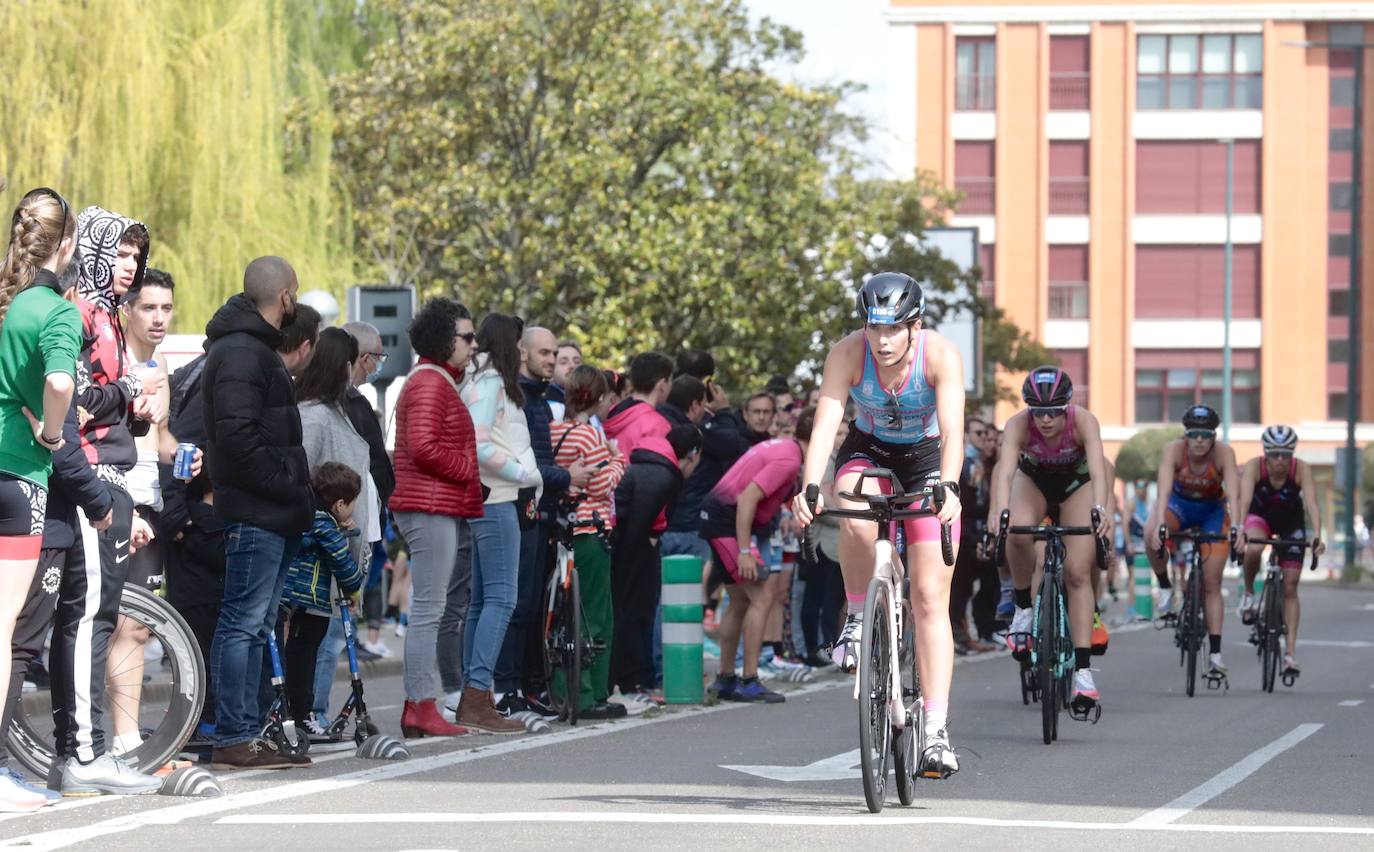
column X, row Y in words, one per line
column 1227, row 295
column 1352, row 458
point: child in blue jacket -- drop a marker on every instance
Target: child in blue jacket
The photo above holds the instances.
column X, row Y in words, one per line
column 306, row 602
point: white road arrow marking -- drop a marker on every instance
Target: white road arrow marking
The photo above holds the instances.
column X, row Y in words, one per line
column 841, row 767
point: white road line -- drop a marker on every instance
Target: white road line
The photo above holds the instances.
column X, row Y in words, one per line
column 1226, row 779
column 601, row 817
column 1353, row 702
column 63, row 837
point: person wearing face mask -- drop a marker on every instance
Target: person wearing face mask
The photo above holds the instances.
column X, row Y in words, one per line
column 261, row 483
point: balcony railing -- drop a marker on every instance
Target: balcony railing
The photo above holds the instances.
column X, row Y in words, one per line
column 1068, row 196
column 1069, row 90
column 1068, row 300
column 975, row 92
column 980, row 195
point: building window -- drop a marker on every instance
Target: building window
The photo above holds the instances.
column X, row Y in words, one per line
column 1199, row 72
column 975, row 176
column 1342, row 195
column 975, row 74
column 1167, row 383
column 1338, row 351
column 987, row 260
column 1068, row 282
column 1338, row 245
column 1075, row 363
column 1337, row 406
column 1338, row 303
column 1182, row 176
column 1069, row 178
column 1069, row 73
column 1188, row 282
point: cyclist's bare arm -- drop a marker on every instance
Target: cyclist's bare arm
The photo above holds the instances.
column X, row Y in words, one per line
column 947, row 370
column 1013, row 439
column 1090, row 435
column 1311, row 503
column 746, row 506
column 1168, row 460
column 1249, row 477
column 836, row 380
column 1230, row 478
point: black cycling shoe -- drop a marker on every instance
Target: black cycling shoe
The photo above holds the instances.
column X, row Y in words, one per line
column 603, row 710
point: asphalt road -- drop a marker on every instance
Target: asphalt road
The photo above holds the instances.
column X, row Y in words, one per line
column 1231, row 770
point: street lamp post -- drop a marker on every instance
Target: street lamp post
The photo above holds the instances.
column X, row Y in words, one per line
column 1353, row 313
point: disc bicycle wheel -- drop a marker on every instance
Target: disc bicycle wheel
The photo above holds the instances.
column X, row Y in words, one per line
column 168, row 704
column 905, row 741
column 1046, row 655
column 875, row 684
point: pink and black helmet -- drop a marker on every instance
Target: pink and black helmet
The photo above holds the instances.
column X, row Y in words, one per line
column 1047, row 387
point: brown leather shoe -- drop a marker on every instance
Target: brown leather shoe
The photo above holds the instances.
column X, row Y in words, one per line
column 478, row 711
column 255, row 754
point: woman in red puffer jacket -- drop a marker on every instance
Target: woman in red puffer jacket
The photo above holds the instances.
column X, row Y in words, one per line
column 438, row 488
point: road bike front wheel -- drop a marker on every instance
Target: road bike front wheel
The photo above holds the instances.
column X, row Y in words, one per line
column 904, row 743
column 1271, row 627
column 1046, row 656
column 1192, row 630
column 875, row 685
column 168, row 705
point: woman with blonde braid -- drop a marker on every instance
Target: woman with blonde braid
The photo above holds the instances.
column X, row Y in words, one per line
column 40, row 335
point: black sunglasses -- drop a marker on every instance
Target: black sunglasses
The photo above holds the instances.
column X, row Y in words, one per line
column 894, row 413
column 55, row 195
column 1200, row 434
column 1047, row 412
column 470, row 337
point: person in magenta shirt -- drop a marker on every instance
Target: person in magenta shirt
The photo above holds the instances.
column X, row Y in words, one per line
column 745, row 501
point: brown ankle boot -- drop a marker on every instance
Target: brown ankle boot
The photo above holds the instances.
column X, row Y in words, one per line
column 478, row 711
column 423, row 719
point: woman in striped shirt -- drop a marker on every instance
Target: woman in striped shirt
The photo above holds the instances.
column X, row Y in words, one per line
column 576, row 440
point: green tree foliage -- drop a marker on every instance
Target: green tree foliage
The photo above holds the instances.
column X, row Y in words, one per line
column 173, row 112
column 632, row 173
column 1139, row 456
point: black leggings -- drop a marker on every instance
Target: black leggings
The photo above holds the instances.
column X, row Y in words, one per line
column 304, row 634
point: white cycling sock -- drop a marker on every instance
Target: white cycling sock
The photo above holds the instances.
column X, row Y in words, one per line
column 935, row 720
column 125, row 743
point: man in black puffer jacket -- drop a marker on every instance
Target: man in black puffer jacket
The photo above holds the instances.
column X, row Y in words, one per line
column 261, row 481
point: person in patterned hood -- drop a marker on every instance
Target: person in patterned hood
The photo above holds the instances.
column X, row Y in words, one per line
column 116, row 401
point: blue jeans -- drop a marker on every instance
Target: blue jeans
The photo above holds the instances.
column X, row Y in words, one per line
column 510, row 665
column 495, row 566
column 255, row 563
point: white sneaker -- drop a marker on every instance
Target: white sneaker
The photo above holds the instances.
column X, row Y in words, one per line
column 938, row 760
column 15, row 799
column 1214, row 662
column 1166, row 601
column 1018, row 635
column 845, row 651
column 1083, row 686
column 633, row 705
column 1290, row 664
column 1243, row 609
column 106, row 774
column 450, row 706
column 313, row 727
column 379, row 648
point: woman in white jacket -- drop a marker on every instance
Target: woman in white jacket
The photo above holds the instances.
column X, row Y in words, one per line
column 510, row 478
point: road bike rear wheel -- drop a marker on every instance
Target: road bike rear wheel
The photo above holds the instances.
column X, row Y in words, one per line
column 875, row 684
column 563, row 646
column 1046, row 657
column 169, row 705
column 905, row 741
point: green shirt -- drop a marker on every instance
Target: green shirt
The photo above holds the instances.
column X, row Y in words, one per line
column 41, row 335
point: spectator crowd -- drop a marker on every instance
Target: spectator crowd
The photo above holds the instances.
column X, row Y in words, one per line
column 300, row 496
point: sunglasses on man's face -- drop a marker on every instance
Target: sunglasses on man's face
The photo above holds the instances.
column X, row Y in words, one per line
column 1200, row 434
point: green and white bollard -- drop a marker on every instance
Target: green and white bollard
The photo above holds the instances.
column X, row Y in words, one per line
column 1144, row 588
column 682, row 633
